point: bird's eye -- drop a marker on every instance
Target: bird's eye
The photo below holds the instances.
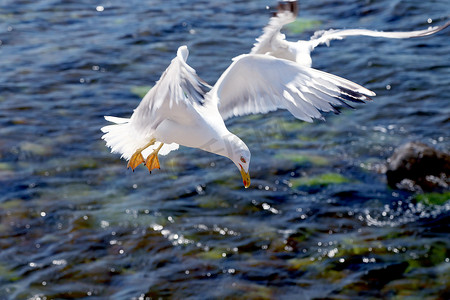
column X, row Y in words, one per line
column 243, row 160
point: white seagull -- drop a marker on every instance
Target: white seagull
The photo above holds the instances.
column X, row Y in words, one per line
column 274, row 43
column 181, row 109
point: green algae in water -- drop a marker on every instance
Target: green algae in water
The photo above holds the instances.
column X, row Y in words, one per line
column 4, row 230
column 433, row 198
column 12, row 204
column 213, row 254
column 284, row 124
column 210, row 202
column 303, row 159
column 301, row 25
column 437, row 253
column 413, row 265
column 36, row 149
column 300, row 263
column 293, row 126
column 87, row 163
column 140, row 91
column 250, row 291
column 7, row 274
column 320, row 180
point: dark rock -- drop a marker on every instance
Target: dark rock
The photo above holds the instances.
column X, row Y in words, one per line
column 417, row 167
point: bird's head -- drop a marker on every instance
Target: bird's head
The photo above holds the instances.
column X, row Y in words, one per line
column 242, row 161
column 241, row 158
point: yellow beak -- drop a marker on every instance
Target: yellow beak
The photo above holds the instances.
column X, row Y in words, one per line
column 245, row 178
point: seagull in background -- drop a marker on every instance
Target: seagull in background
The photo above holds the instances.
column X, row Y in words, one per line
column 272, row 42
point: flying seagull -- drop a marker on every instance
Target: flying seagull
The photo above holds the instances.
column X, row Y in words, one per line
column 182, row 109
column 274, row 43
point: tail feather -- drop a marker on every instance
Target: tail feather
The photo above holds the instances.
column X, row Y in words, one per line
column 116, row 120
column 124, row 140
column 120, row 137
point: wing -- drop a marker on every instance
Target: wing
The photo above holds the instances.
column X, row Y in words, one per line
column 262, row 83
column 179, row 85
column 324, row 37
column 173, row 97
column 272, row 40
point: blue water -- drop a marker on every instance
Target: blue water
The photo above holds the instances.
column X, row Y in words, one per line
column 75, row 223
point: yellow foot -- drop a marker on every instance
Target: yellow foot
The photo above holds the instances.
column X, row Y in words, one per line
column 135, row 160
column 152, row 162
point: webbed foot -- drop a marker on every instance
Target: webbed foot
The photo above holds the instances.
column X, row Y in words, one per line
column 152, row 162
column 135, row 160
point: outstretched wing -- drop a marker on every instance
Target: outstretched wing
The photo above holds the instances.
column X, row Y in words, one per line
column 179, row 85
column 262, row 83
column 178, row 90
column 173, row 97
column 324, row 37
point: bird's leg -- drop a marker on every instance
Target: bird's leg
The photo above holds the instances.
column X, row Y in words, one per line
column 152, row 161
column 137, row 158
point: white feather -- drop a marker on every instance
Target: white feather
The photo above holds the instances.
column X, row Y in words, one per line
column 273, row 42
column 255, row 84
column 324, row 37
